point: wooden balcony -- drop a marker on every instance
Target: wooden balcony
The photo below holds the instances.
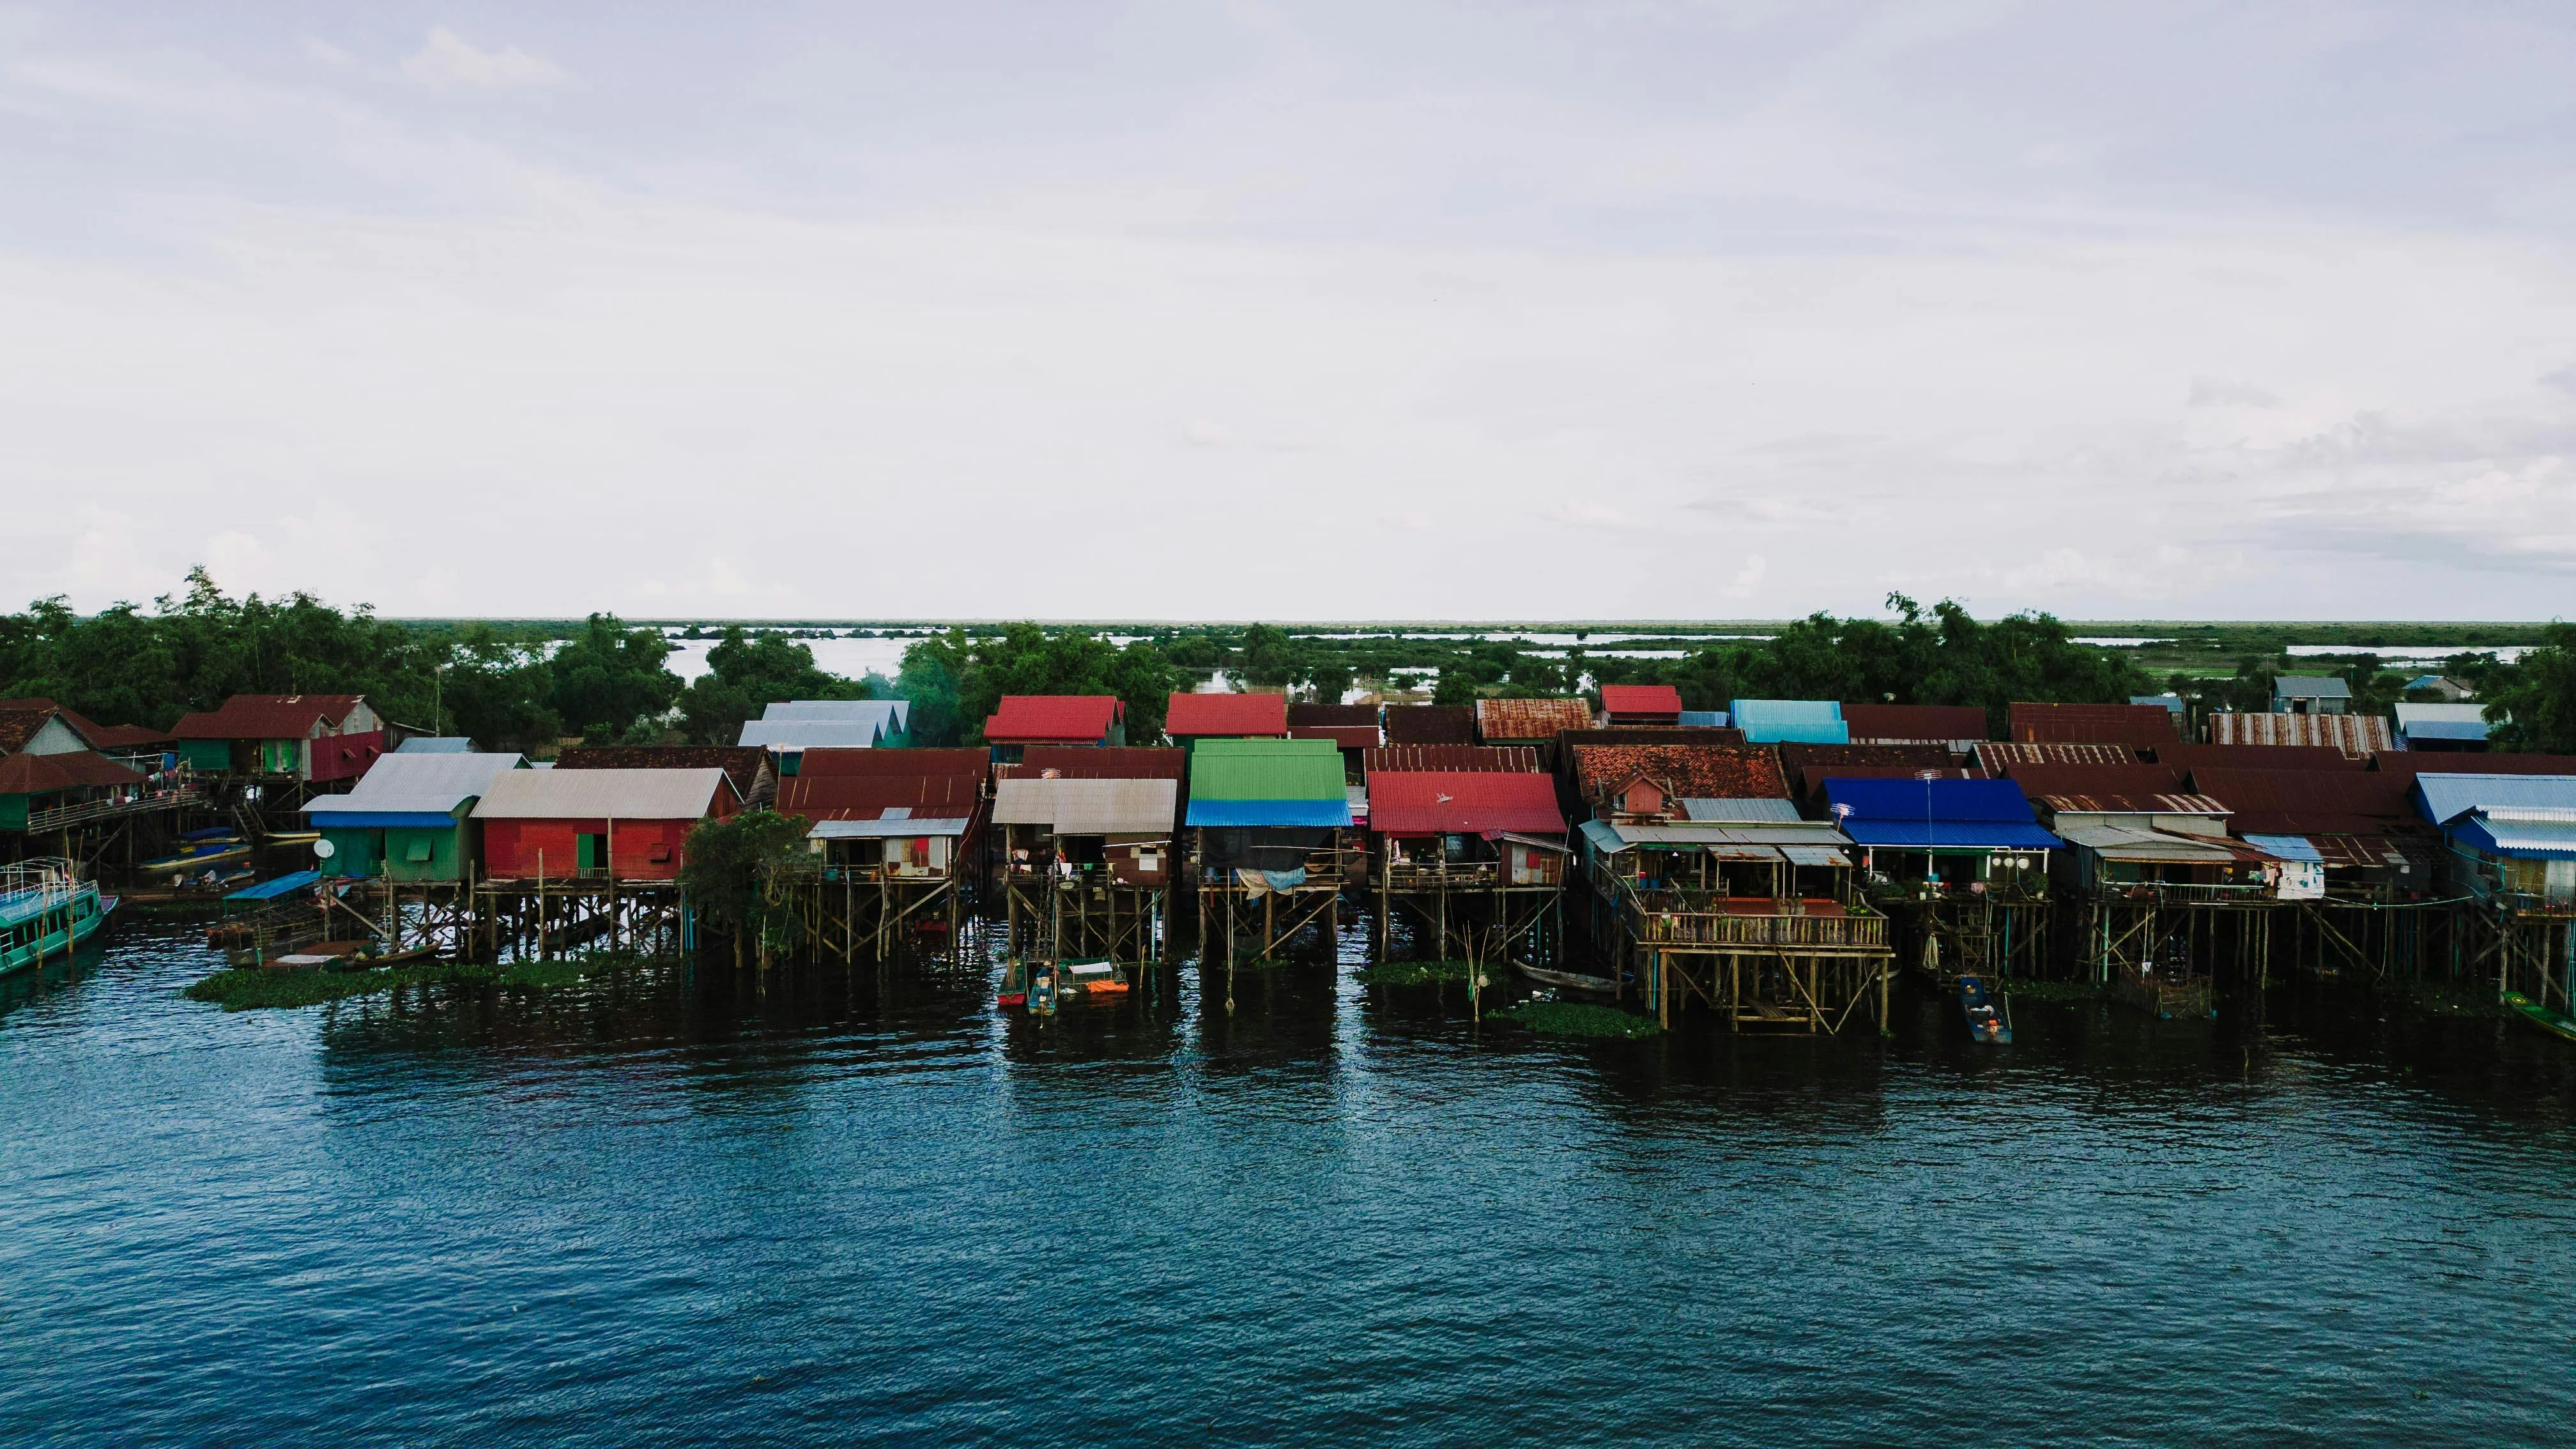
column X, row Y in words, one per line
column 1674, row 919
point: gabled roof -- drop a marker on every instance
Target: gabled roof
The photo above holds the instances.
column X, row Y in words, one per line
column 1196, row 715
column 2411, row 764
column 2352, row 733
column 1692, row 771
column 2310, row 686
column 1430, row 724
column 435, row 745
column 1640, row 699
column 743, row 764
column 415, row 784
column 870, row 797
column 561, row 794
column 1463, row 802
column 266, row 717
column 2442, row 721
column 1223, row 769
column 21, row 723
column 1810, row 759
column 1652, row 735
column 1756, row 811
column 1955, row 814
column 797, row 735
column 1415, row 759
column 1332, row 716
column 2038, row 780
column 967, row 761
column 891, row 716
column 2448, row 798
column 1805, row 721
column 2259, row 757
column 1939, row 723
column 1099, row 762
column 1343, row 737
column 1053, row 719
column 2311, row 802
column 2116, row 724
column 24, row 774
column 1998, row 757
column 1535, row 719
column 1089, row 807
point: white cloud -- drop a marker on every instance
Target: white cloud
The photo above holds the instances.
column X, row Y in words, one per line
column 446, row 59
column 315, row 48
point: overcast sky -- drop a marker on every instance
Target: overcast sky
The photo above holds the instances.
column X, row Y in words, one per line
column 1386, row 309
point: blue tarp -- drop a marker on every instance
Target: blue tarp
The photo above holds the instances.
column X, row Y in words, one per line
column 269, row 890
column 2287, row 847
column 1791, row 721
column 1705, row 718
column 382, row 820
column 1955, row 814
column 1240, row 814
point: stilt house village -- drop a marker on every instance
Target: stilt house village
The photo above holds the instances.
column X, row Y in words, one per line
column 1774, row 864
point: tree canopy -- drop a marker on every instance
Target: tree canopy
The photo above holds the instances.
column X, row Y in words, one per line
column 746, row 672
column 956, row 680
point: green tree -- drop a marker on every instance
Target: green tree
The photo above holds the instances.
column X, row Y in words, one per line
column 609, row 680
column 934, row 670
column 747, row 672
column 736, row 872
column 1330, row 682
column 1454, row 688
column 2534, row 707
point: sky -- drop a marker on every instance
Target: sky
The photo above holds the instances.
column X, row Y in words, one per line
column 1605, row 309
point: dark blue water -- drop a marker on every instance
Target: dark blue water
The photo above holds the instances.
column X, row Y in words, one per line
column 861, row 1207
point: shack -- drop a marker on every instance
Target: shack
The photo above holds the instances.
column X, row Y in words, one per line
column 50, row 790
column 1474, row 854
column 2435, row 728
column 1053, row 719
column 614, row 825
column 1270, row 822
column 753, row 774
column 312, row 738
column 892, row 836
column 1966, row 861
column 39, row 727
column 2311, row 694
column 1798, row 721
column 2510, row 845
column 789, row 728
column 1088, row 851
column 407, row 817
column 1640, row 704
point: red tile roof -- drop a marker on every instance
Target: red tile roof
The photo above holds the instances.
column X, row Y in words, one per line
column 266, row 717
column 1099, row 762
column 1053, row 719
column 40, row 774
column 1641, row 699
column 1462, row 802
column 1430, row 724
column 1530, row 719
column 1419, row 759
column 18, row 727
column 1195, row 716
column 1701, row 772
column 1914, row 722
column 2115, row 724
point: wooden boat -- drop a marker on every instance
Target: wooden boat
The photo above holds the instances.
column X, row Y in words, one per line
column 2168, row 994
column 197, row 855
column 1574, row 981
column 1041, row 985
column 46, row 910
column 2548, row 1019
column 1989, row 1015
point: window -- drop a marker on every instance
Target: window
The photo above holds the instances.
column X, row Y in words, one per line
column 418, row 851
column 659, row 855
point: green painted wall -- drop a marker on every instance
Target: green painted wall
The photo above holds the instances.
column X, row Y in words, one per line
column 215, row 755
column 353, row 852
column 13, row 812
column 419, row 854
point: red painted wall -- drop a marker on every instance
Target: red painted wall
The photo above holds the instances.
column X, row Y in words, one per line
column 510, row 847
column 345, row 757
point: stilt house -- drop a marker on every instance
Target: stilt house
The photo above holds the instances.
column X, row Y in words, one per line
column 307, row 737
column 623, row 825
column 408, row 818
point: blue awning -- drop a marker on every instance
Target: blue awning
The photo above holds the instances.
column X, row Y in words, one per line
column 381, row 820
column 1241, row 814
column 285, row 885
column 2287, row 847
column 1950, row 835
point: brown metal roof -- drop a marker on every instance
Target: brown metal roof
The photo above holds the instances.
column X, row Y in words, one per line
column 868, row 797
column 71, row 770
column 2310, row 802
column 1530, row 719
column 1344, row 737
column 266, row 717
column 1434, row 759
column 1430, row 724
column 2118, row 724
column 2037, row 780
column 744, row 765
column 2142, row 804
column 19, row 726
column 2411, row 763
column 1797, row 757
column 896, row 763
column 1911, row 722
column 2353, row 733
column 1331, row 716
column 1714, row 772
column 2259, row 757
column 1813, row 778
column 1099, row 762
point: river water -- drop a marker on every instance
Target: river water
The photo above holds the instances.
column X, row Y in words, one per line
column 859, row 1206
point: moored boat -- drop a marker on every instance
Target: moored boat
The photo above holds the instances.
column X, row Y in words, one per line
column 2547, row 1018
column 1041, row 985
column 46, row 910
column 199, row 850
column 1989, row 1017
column 1574, row 981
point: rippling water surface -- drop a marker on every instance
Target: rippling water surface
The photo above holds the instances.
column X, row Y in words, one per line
column 860, row 1206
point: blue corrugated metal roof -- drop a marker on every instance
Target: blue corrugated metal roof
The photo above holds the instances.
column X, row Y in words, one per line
column 2445, row 729
column 2287, row 847
column 1791, row 721
column 1920, row 800
column 2554, row 839
column 384, row 820
column 1705, row 718
column 1307, row 814
column 269, row 890
column 1950, row 835
column 2445, row 798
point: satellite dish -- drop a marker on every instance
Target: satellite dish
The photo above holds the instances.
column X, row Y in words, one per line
column 324, row 850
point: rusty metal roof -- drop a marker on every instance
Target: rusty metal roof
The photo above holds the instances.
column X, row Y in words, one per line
column 1430, row 724
column 742, row 764
column 1717, row 772
column 2352, row 733
column 1530, row 719
column 1199, row 715
column 2100, row 804
column 1418, row 759
column 2117, row 724
column 869, row 797
column 1999, row 757
column 1914, row 722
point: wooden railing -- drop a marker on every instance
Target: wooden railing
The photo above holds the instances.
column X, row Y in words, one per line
column 1781, row 928
column 83, row 811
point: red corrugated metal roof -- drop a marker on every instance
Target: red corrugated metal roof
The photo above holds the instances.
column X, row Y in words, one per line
column 868, row 797
column 1461, row 802
column 2309, row 802
column 1652, row 735
column 41, row 774
column 1530, row 719
column 2353, row 733
column 1868, row 722
column 1420, row 759
column 1197, row 716
column 266, row 717
column 1708, row 772
column 2411, row 763
column 1100, row 762
column 2038, row 780
column 1053, row 719
column 2115, row 724
column 1346, row 737
column 894, row 763
column 1641, row 699
column 1430, row 724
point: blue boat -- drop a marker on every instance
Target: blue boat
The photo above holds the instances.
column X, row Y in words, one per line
column 1989, row 1018
column 46, row 910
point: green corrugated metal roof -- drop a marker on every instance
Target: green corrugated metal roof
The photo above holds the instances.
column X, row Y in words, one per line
column 1266, row 770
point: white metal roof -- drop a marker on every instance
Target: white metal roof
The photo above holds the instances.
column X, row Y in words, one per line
column 2136, row 843
column 417, row 784
column 1741, row 811
column 888, row 828
column 892, row 715
column 1088, row 807
column 600, row 794
column 812, row 734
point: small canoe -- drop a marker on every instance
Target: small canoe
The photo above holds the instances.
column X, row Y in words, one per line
column 2548, row 1019
column 1568, row 980
column 1988, row 1019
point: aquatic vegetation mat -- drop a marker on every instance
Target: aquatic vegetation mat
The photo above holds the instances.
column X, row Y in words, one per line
column 1576, row 1018
column 1412, row 973
column 251, row 990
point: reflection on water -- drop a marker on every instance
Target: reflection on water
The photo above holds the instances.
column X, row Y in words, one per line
column 680, row 1206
